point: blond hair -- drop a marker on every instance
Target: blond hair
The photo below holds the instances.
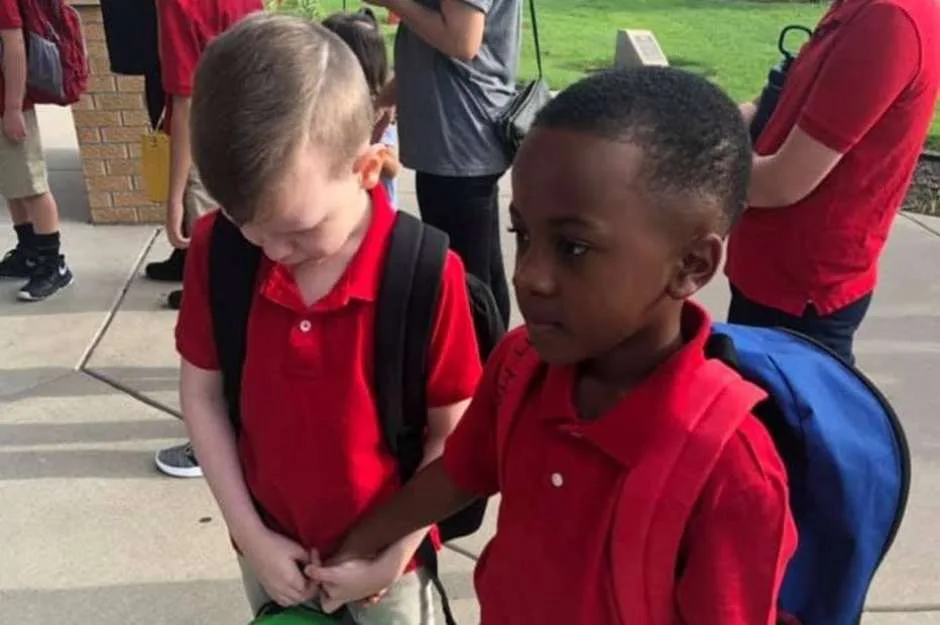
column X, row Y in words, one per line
column 266, row 87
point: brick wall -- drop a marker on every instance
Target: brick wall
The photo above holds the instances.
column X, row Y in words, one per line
column 109, row 121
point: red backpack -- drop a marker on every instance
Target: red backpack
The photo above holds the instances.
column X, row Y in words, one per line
column 658, row 495
column 56, row 61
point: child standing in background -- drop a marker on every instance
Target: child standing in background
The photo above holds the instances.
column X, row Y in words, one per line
column 362, row 34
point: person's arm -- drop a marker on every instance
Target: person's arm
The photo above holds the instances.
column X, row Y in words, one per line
column 441, row 423
column 456, row 30
column 181, row 162
column 14, row 84
column 740, row 538
column 180, row 50
column 274, row 559
column 855, row 87
column 211, row 434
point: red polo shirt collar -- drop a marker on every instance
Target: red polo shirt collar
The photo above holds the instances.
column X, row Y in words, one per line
column 359, row 282
column 627, row 431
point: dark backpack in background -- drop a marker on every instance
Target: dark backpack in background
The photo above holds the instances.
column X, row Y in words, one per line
column 406, row 310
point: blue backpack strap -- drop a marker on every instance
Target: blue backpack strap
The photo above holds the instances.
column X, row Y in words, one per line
column 659, row 494
column 233, row 269
column 847, row 464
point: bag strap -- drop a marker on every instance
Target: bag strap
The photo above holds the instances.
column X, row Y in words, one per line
column 233, row 268
column 405, row 314
column 658, row 496
column 535, row 37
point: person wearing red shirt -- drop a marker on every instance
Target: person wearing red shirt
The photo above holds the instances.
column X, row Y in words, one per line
column 185, row 29
column 24, row 181
column 832, row 167
column 281, row 137
column 619, row 214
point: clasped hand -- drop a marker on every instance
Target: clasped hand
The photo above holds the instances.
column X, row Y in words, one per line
column 291, row 575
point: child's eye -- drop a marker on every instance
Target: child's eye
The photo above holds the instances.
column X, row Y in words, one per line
column 572, row 248
column 520, row 234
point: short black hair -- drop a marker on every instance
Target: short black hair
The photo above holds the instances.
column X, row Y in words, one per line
column 695, row 142
column 361, row 32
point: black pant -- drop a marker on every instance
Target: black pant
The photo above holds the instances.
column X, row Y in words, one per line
column 154, row 95
column 835, row 330
column 467, row 209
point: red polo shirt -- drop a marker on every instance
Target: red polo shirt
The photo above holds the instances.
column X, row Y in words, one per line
column 311, row 445
column 550, row 561
column 186, row 29
column 865, row 86
column 10, row 19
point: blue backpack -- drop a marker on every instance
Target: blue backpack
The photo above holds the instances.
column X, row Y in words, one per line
column 847, row 461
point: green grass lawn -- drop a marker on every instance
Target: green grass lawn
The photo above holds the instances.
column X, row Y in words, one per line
column 733, row 43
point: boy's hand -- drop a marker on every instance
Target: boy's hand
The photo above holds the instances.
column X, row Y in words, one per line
column 278, row 563
column 14, row 126
column 174, row 225
column 353, row 580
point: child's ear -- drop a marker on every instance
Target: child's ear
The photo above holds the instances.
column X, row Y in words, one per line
column 368, row 166
column 696, row 267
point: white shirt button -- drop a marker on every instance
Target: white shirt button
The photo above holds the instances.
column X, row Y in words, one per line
column 558, row 480
column 305, row 325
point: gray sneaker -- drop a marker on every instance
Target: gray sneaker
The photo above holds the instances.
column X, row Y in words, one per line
column 179, row 461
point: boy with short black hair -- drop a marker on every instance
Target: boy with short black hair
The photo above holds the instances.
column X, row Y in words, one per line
column 281, row 137
column 622, row 196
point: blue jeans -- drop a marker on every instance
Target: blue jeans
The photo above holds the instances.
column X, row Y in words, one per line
column 835, row 330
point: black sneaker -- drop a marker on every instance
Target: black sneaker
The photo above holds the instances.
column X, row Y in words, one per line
column 48, row 278
column 17, row 264
column 174, row 300
column 169, row 270
column 178, row 461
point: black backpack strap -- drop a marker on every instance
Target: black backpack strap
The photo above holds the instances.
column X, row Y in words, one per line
column 233, row 268
column 405, row 315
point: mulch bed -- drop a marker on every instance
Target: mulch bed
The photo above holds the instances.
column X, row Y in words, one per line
column 924, row 194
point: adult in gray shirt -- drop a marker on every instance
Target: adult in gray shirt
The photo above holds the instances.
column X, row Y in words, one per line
column 455, row 67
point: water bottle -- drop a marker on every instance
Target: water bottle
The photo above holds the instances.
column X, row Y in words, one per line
column 770, row 95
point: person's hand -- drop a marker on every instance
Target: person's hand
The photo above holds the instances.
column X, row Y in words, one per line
column 14, row 125
column 353, row 580
column 174, row 225
column 278, row 563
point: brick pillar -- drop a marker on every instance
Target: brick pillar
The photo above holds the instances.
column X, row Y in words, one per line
column 109, row 121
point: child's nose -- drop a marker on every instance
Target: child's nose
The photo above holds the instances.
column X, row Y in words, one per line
column 534, row 273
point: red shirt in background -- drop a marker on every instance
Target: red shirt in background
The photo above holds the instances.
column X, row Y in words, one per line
column 561, row 481
column 865, row 86
column 10, row 19
column 186, row 29
column 311, row 445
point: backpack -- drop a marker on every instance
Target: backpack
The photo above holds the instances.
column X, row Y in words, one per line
column 273, row 614
column 844, row 449
column 56, row 61
column 406, row 311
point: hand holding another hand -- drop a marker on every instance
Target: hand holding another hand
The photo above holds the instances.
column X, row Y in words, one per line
column 353, row 580
column 278, row 563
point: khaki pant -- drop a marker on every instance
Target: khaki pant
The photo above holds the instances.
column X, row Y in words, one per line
column 196, row 200
column 22, row 165
column 408, row 602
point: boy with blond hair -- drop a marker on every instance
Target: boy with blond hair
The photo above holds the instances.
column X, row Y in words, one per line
column 281, row 137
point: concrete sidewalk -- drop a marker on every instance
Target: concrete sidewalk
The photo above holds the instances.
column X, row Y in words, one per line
column 92, row 534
